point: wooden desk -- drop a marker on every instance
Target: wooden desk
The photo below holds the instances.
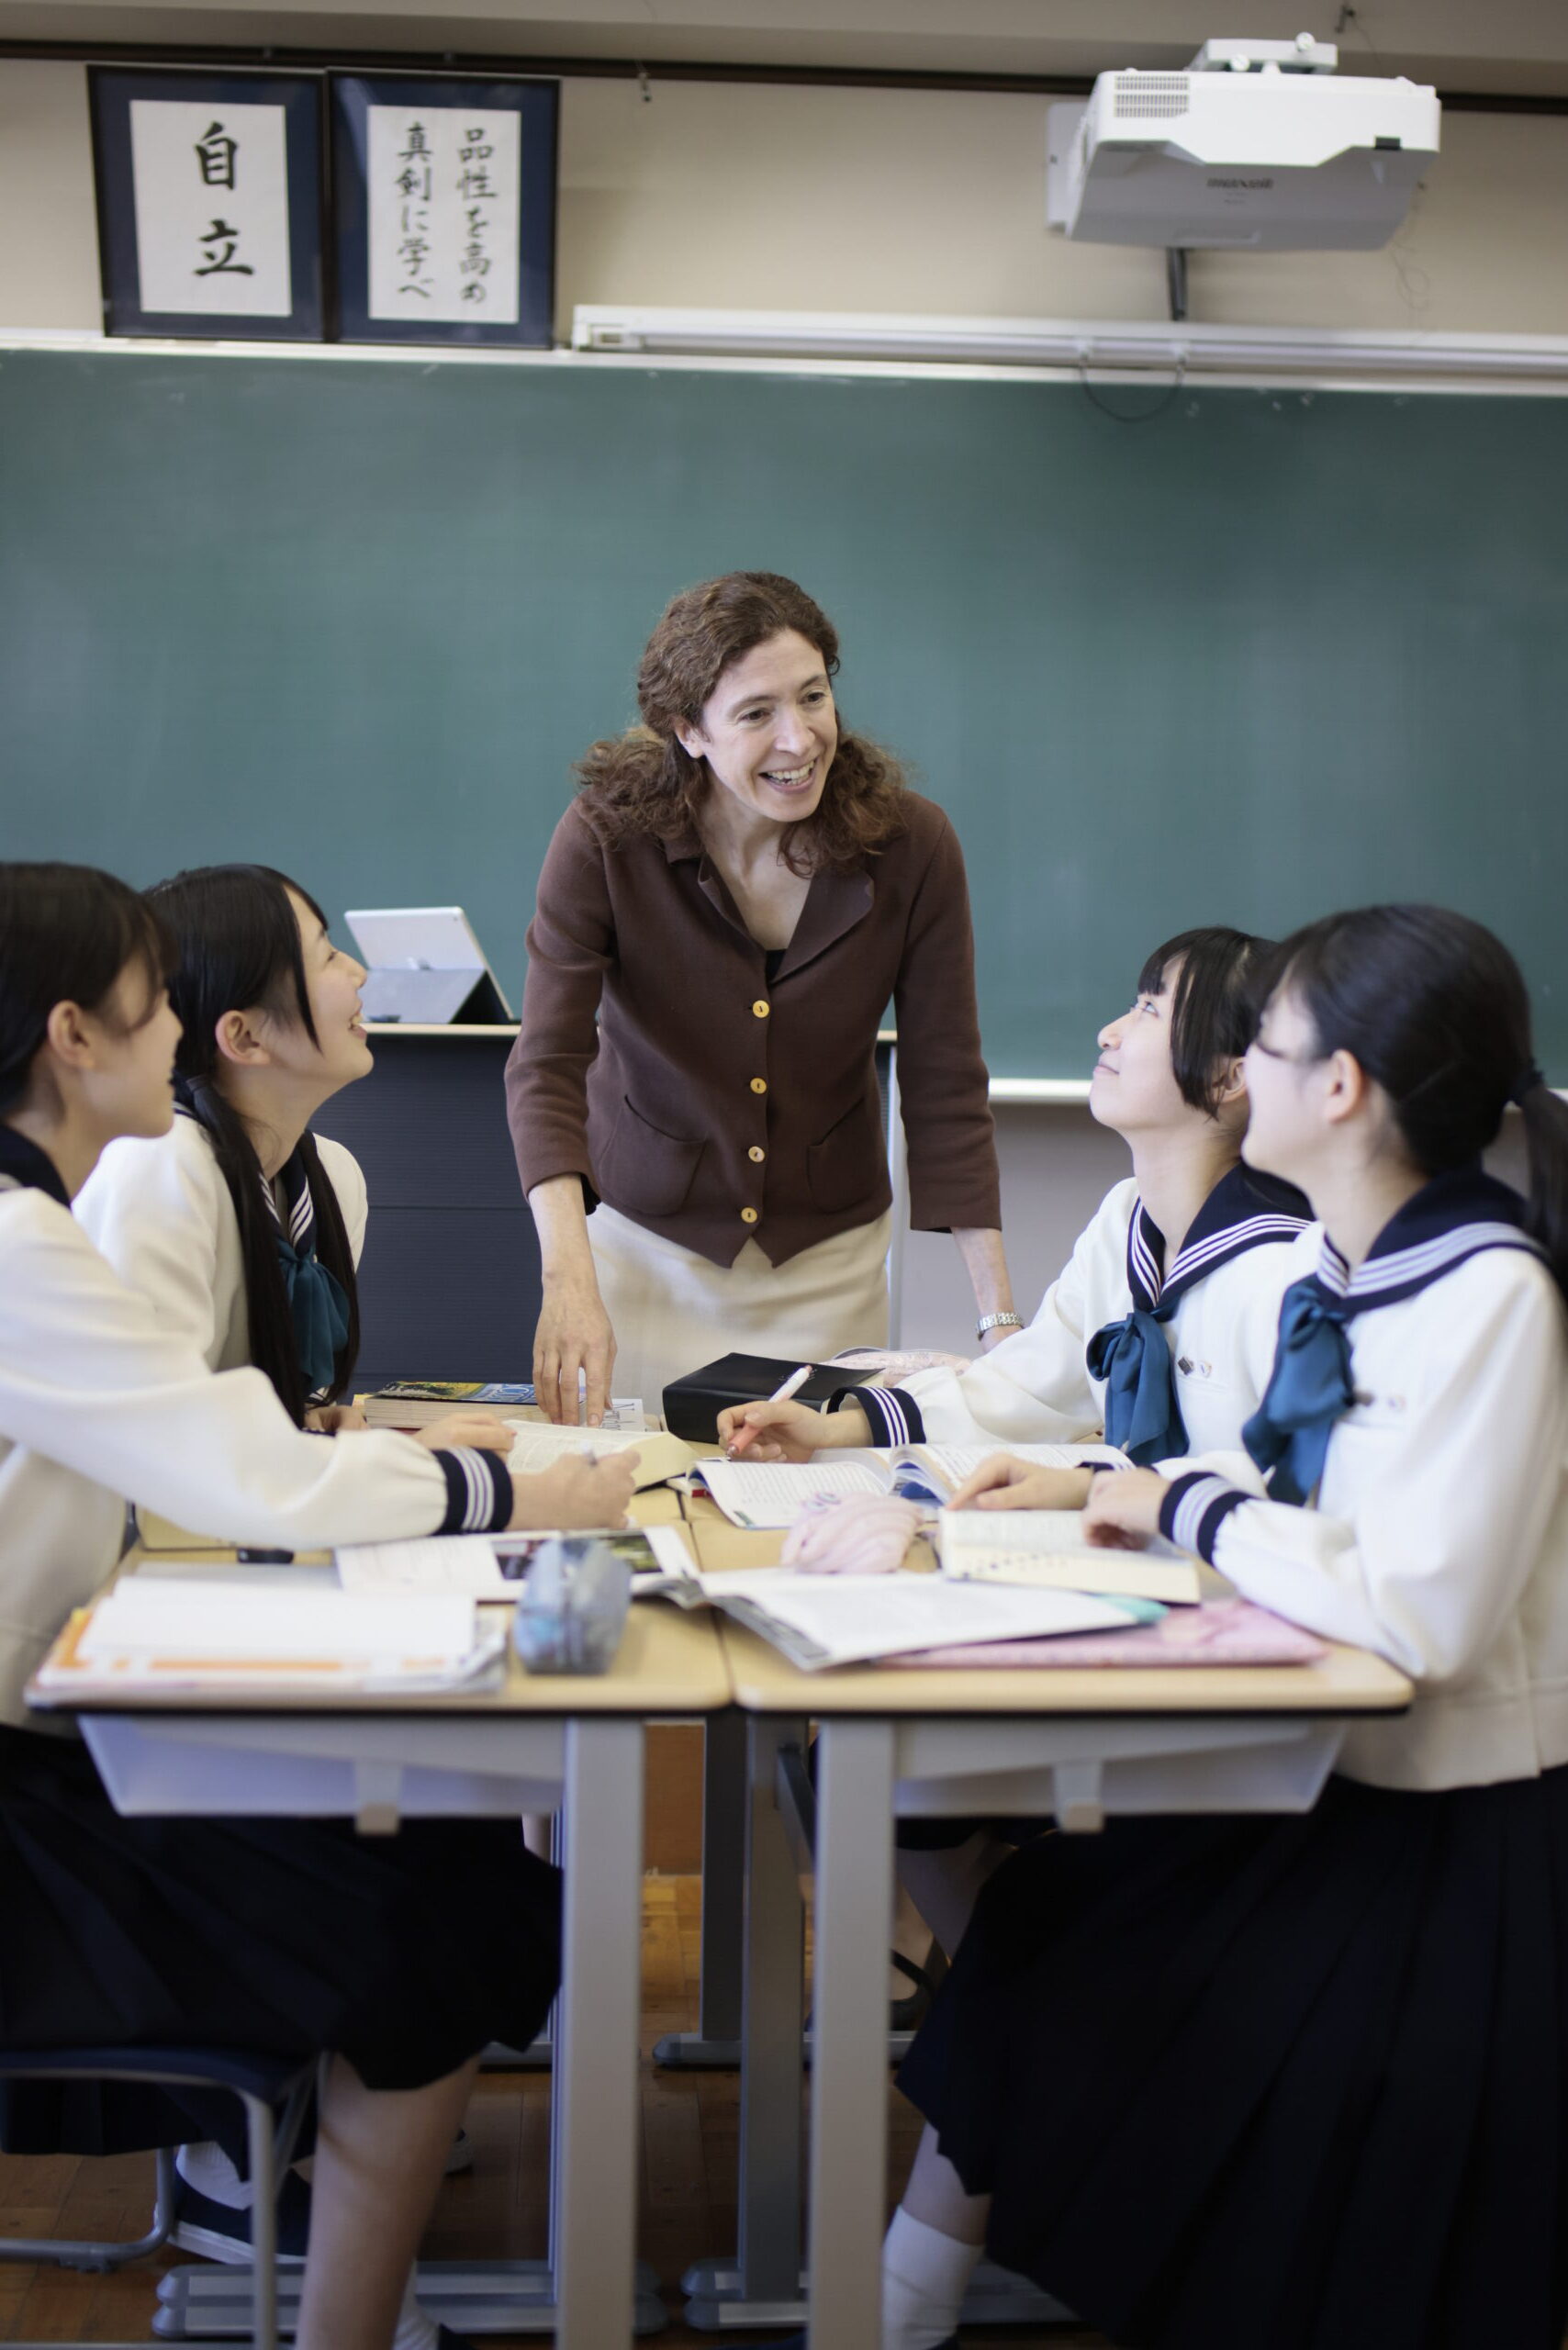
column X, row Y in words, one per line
column 896, row 1743
column 535, row 1743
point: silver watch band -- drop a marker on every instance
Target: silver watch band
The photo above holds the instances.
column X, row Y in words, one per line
column 998, row 1322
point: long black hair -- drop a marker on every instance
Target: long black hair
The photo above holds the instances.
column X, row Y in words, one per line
column 1213, row 1006
column 238, row 943
column 1435, row 1009
column 67, row 932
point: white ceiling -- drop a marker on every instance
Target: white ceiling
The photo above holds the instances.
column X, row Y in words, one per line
column 1514, row 46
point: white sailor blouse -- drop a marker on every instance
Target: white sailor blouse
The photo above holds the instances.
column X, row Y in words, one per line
column 98, row 1404
column 1420, row 1403
column 1163, row 1359
column 160, row 1211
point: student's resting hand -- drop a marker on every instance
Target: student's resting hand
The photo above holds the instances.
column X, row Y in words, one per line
column 788, row 1431
column 336, row 1419
column 577, row 1491
column 478, row 1431
column 1006, row 1482
column 1122, row 1509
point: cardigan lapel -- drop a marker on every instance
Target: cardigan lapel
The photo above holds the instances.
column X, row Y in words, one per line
column 835, row 903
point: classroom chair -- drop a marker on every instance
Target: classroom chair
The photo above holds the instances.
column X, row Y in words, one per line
column 275, row 2092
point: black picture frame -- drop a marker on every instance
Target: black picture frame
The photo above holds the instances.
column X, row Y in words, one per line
column 111, row 90
column 537, row 103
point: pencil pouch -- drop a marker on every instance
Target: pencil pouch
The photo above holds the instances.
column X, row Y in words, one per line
column 571, row 1612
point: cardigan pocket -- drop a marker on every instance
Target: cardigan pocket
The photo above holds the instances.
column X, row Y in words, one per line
column 843, row 1168
column 646, row 1169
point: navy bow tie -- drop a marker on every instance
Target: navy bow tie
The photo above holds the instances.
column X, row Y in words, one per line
column 1143, row 1419
column 1308, row 1389
column 320, row 1313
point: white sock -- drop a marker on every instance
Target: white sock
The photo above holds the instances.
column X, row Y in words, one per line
column 208, row 2169
column 415, row 2330
column 924, row 2276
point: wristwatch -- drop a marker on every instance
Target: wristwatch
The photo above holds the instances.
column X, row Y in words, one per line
column 998, row 1322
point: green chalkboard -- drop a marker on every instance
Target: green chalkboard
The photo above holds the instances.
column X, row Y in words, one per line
column 1266, row 654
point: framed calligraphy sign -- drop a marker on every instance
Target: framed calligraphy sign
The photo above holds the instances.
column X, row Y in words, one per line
column 445, row 203
column 210, row 203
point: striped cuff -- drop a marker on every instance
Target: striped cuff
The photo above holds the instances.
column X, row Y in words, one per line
column 478, row 1492
column 1195, row 1507
column 894, row 1416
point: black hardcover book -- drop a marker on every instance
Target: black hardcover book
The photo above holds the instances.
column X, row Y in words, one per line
column 692, row 1403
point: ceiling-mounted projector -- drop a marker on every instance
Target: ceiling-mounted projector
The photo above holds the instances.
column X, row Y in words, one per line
column 1255, row 145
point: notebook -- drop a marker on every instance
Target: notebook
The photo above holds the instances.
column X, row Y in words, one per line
column 1047, row 1548
column 147, row 1633
column 818, row 1621
column 539, row 1445
column 771, row 1493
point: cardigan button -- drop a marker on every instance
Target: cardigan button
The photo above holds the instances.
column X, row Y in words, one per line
column 761, row 1008
column 756, row 1153
column 748, row 1216
column 759, row 1085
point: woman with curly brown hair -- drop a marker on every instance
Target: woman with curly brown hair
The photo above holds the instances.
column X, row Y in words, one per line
column 725, row 911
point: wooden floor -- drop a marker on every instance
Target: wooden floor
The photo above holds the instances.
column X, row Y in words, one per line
column 688, row 2178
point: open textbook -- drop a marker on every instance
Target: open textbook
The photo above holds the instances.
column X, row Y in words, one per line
column 492, row 1566
column 1047, row 1550
column 822, row 1620
column 540, row 1445
column 148, row 1634
column 770, row 1493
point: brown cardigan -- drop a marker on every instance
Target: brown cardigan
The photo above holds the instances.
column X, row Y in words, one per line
column 712, row 1106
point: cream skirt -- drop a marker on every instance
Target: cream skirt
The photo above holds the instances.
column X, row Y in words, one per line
column 672, row 1310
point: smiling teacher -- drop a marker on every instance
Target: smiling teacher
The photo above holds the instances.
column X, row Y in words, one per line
column 724, row 912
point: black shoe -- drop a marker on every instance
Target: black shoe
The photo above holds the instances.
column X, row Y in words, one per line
column 218, row 2232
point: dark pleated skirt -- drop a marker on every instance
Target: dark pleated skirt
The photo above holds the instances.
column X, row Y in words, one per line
column 405, row 1953
column 1276, row 2084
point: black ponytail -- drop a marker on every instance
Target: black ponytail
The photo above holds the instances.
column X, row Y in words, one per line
column 67, row 932
column 238, row 942
column 1435, row 1009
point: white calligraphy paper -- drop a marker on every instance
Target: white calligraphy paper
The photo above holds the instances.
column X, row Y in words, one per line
column 211, row 190
column 444, row 206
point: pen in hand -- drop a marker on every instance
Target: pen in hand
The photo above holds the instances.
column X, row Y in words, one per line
column 744, row 1436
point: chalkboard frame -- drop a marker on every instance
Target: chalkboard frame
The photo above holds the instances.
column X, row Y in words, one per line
column 537, row 103
column 111, row 90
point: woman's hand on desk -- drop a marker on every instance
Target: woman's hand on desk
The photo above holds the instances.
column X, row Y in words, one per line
column 1006, row 1482
column 577, row 1491
column 774, row 1431
column 573, row 1334
column 1122, row 1509
column 336, row 1419
column 476, row 1431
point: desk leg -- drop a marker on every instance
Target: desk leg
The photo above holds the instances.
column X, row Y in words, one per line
column 716, row 2044
column 593, row 2216
column 849, row 2073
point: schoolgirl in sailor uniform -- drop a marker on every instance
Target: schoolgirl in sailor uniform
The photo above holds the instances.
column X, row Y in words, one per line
column 1166, row 1349
column 1300, row 2082
column 404, row 1957
column 241, row 1227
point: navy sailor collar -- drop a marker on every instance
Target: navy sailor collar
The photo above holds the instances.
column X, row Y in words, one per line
column 1454, row 1217
column 1244, row 1210
column 29, row 1168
